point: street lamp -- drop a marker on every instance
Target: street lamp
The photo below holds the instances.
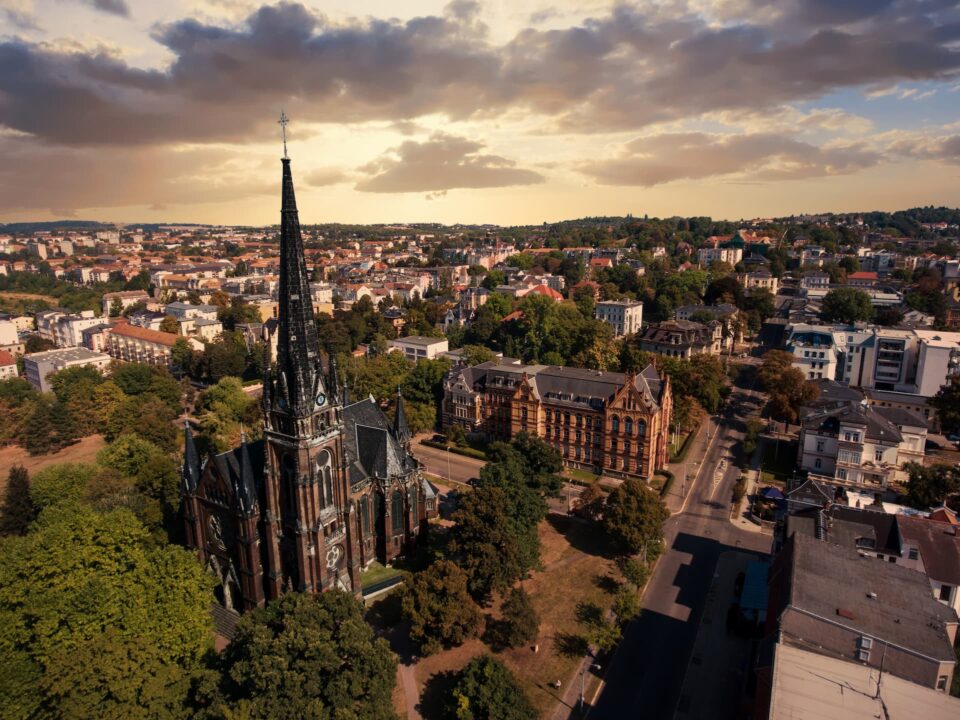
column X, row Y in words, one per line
column 449, row 477
column 583, row 670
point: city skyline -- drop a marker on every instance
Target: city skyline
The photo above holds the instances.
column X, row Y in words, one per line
column 476, row 112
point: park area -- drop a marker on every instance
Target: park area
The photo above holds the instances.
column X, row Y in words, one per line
column 83, row 451
column 577, row 571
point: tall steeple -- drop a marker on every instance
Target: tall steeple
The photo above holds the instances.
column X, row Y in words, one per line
column 298, row 355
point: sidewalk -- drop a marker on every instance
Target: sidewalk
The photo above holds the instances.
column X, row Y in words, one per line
column 688, row 469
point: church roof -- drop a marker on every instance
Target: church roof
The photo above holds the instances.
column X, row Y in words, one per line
column 369, row 442
column 244, row 475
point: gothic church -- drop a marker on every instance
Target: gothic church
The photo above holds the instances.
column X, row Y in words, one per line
column 331, row 487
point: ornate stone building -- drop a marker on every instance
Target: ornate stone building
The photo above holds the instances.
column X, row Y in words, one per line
column 331, row 487
column 604, row 421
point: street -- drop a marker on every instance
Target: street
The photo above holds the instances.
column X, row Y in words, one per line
column 446, row 465
column 645, row 676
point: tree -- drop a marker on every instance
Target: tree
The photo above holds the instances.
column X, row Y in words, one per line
column 634, row 519
column 788, row 389
column 931, row 485
column 146, row 416
column 95, row 621
column 476, row 354
column 591, row 502
column 889, row 315
column 626, row 604
column 725, row 289
column 183, row 357
column 18, row 510
column 439, row 608
column 170, row 325
column 947, row 404
column 486, row 690
column 521, row 623
column 136, row 379
column 153, row 472
column 846, row 305
column 226, row 356
column 116, row 307
column 307, row 656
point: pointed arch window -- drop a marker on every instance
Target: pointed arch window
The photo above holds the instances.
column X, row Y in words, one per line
column 396, row 510
column 364, row 510
column 325, row 478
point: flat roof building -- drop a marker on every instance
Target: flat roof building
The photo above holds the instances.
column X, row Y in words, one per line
column 37, row 367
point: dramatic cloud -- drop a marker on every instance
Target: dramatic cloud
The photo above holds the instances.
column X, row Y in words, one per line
column 443, row 162
column 625, row 70
column 683, row 156
column 114, row 7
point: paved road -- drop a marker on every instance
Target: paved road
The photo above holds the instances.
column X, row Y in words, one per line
column 645, row 677
column 446, row 465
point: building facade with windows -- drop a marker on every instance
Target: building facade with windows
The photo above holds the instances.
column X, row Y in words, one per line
column 861, row 445
column 607, row 422
column 624, row 316
column 417, row 347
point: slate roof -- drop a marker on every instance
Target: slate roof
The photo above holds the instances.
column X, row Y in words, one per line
column 938, row 544
column 247, row 484
column 827, row 579
column 877, row 427
column 370, row 447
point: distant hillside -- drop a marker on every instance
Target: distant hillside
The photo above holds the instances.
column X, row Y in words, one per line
column 55, row 225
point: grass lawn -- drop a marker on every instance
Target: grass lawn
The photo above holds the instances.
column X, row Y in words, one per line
column 584, row 476
column 780, row 463
column 575, row 570
column 82, row 452
column 377, row 573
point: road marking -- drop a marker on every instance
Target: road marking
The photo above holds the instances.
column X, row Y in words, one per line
column 710, row 443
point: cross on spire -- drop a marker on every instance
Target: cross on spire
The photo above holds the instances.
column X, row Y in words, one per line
column 283, row 121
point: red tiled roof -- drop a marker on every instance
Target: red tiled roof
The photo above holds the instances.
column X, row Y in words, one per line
column 152, row 336
column 862, row 275
column 545, row 291
column 7, row 359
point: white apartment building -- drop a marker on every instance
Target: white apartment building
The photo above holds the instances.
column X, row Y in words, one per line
column 8, row 332
column 914, row 362
column 184, row 311
column 37, row 367
column 861, row 445
column 65, row 329
column 135, row 344
column 760, row 280
column 417, row 347
column 127, row 298
column 709, row 255
column 624, row 315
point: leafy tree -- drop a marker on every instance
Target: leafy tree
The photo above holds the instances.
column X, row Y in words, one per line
column 889, row 316
column 496, row 535
column 136, row 379
column 494, row 279
column 476, row 354
column 846, row 305
column 486, row 690
column 153, row 471
column 421, row 417
column 170, row 325
column 634, row 518
column 931, row 485
column 146, row 416
column 439, row 608
column 424, row 384
column 18, row 510
column 183, row 357
column 635, row 571
column 626, row 604
column 521, row 623
column 61, row 483
column 107, row 397
column 725, row 289
column 64, row 382
column 226, row 356
column 947, row 404
column 116, row 308
column 591, row 502
column 96, row 622
column 788, row 389
column 307, row 656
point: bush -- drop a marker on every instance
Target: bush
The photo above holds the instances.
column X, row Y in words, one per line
column 739, row 489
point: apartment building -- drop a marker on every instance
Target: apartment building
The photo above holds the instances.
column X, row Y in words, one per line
column 136, row 344
column 63, row 328
column 624, row 316
column 8, row 365
column 709, row 255
column 126, row 298
column 603, row 421
column 417, row 347
column 759, row 280
column 684, row 338
column 860, row 445
column 912, row 362
column 37, row 367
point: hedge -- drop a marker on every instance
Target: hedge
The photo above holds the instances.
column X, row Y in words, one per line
column 685, row 448
column 666, row 483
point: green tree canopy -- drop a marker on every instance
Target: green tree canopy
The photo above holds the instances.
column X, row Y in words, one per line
column 18, row 510
column 931, row 485
column 520, row 623
column 95, row 621
column 307, row 656
column 439, row 608
column 486, row 690
column 846, row 305
column 947, row 404
column 634, row 518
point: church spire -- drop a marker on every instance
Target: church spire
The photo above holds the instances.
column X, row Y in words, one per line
column 297, row 353
column 401, row 430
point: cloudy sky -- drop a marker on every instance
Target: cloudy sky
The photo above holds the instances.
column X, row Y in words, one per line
column 476, row 110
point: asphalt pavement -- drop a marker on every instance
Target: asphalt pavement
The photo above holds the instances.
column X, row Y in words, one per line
column 645, row 676
column 446, row 465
